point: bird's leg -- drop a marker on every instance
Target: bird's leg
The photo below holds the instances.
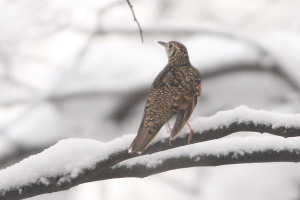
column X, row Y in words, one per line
column 170, row 131
column 191, row 133
column 169, row 127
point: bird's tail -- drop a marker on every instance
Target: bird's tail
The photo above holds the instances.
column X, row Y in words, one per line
column 142, row 140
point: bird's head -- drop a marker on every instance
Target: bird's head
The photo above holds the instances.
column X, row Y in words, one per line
column 175, row 51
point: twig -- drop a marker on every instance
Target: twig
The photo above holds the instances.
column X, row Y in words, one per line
column 135, row 19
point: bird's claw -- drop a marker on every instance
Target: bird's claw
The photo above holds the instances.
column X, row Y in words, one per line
column 190, row 137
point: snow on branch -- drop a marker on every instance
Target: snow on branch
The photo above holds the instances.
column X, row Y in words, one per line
column 213, row 153
column 75, row 161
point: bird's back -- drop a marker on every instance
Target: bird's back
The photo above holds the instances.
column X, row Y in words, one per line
column 157, row 112
column 175, row 91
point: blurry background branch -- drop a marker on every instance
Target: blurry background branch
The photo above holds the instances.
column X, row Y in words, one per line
column 132, row 99
column 267, row 63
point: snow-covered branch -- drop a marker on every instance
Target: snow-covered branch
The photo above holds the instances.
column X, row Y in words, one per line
column 65, row 165
column 214, row 153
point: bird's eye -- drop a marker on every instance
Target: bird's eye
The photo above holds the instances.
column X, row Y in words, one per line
column 170, row 45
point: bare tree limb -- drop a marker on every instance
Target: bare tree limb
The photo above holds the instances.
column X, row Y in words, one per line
column 135, row 19
column 133, row 98
column 38, row 100
column 284, row 150
column 268, row 63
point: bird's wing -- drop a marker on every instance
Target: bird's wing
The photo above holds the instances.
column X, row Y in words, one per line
column 158, row 111
column 182, row 116
column 142, row 139
column 185, row 100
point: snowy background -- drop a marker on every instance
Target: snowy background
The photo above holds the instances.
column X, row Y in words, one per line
column 69, row 68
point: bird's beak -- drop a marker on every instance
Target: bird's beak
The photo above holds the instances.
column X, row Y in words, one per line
column 162, row 43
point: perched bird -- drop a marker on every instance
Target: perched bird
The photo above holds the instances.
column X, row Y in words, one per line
column 174, row 92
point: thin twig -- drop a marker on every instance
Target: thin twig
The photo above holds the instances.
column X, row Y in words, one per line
column 135, row 19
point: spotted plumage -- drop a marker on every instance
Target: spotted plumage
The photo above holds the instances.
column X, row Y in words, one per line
column 174, row 92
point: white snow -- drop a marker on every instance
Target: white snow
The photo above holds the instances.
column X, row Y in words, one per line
column 67, row 157
column 220, row 147
column 70, row 156
column 245, row 114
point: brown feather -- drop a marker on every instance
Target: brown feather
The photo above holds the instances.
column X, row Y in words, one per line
column 155, row 116
column 175, row 91
column 141, row 141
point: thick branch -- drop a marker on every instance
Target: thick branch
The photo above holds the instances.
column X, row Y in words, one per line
column 216, row 153
column 278, row 150
column 218, row 126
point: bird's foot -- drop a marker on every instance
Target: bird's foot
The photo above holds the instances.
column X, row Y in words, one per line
column 191, row 134
column 170, row 141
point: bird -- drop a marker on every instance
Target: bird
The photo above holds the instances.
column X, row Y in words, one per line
column 174, row 93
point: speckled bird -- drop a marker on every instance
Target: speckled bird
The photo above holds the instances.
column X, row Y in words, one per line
column 174, row 92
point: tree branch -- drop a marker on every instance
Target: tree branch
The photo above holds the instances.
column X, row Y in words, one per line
column 232, row 151
column 135, row 19
column 228, row 151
